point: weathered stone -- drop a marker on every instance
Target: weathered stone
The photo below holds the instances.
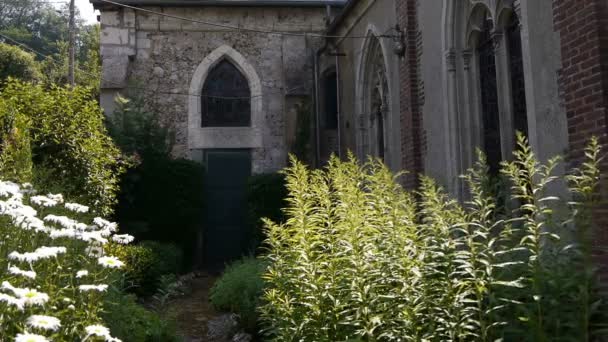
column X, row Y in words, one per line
column 174, row 56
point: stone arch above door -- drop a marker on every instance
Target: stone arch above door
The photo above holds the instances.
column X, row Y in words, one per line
column 224, row 137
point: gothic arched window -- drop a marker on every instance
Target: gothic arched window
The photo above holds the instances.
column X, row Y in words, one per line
column 226, row 98
column 376, row 102
column 516, row 67
column 489, row 96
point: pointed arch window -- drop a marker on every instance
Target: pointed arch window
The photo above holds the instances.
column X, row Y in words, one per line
column 225, row 98
column 516, row 67
column 489, row 96
column 375, row 99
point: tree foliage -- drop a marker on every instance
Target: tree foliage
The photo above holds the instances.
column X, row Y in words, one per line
column 17, row 63
column 69, row 144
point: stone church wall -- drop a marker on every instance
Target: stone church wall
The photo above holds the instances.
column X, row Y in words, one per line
column 158, row 57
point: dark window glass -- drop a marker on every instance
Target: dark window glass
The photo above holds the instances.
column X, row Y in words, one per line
column 518, row 89
column 489, row 97
column 226, row 98
column 331, row 101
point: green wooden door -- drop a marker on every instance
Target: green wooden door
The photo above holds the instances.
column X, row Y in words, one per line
column 226, row 233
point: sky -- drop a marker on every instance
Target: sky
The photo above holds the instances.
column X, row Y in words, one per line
column 86, row 11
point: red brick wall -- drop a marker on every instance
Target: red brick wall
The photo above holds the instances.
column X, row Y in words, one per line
column 410, row 92
column 583, row 80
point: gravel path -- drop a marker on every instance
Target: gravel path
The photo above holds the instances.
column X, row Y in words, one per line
column 194, row 310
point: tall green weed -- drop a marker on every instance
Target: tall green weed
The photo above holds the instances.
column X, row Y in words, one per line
column 360, row 259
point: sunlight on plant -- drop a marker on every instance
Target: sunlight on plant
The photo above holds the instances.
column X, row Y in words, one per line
column 360, row 259
column 53, row 270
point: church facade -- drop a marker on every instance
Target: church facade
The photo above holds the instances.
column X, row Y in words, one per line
column 418, row 83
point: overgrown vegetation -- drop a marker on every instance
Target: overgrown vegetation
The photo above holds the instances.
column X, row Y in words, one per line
column 239, row 290
column 360, row 259
column 53, row 267
column 266, row 194
column 17, row 63
column 161, row 197
column 56, row 137
column 130, row 321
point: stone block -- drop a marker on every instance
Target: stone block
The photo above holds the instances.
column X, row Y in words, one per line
column 114, row 36
column 128, row 18
column 116, row 50
column 110, row 18
column 114, row 72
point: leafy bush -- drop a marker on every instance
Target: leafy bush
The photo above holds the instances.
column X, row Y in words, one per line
column 146, row 263
column 161, row 198
column 266, row 194
column 52, row 268
column 169, row 257
column 239, row 290
column 131, row 322
column 361, row 259
column 69, row 143
column 17, row 63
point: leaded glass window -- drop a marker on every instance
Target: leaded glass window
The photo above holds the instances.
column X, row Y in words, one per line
column 226, row 98
column 489, row 97
column 516, row 65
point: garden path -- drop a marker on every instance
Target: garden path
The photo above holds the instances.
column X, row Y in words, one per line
column 194, row 310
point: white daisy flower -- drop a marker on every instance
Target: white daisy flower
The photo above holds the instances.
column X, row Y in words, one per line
column 57, row 197
column 9, row 188
column 77, row 208
column 32, row 297
column 112, row 226
column 71, row 307
column 28, row 256
column 123, row 239
column 17, row 271
column 113, row 339
column 44, row 322
column 110, row 262
column 98, row 330
column 93, row 237
column 63, row 221
column 43, row 201
column 26, row 337
column 50, row 252
column 87, row 288
column 61, row 233
column 10, row 300
column 82, row 273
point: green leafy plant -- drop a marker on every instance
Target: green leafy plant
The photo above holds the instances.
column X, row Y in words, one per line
column 360, row 259
column 266, row 194
column 53, row 267
column 147, row 263
column 131, row 322
column 161, row 198
column 239, row 290
column 17, row 63
column 71, row 150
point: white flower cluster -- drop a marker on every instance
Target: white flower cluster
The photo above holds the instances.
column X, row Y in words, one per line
column 55, row 246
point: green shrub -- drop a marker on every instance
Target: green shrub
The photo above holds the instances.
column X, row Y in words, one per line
column 161, row 198
column 146, row 263
column 131, row 322
column 71, row 149
column 360, row 259
column 169, row 257
column 239, row 290
column 266, row 194
column 17, row 63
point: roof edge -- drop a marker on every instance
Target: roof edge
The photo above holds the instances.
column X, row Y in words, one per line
column 348, row 7
column 222, row 3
